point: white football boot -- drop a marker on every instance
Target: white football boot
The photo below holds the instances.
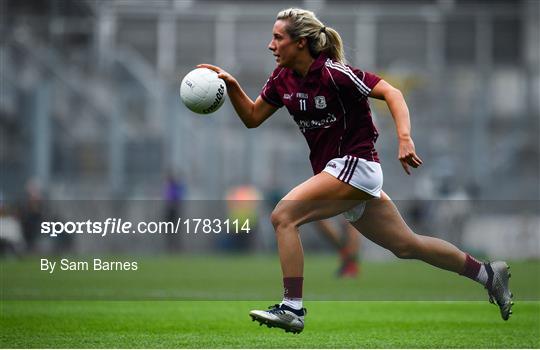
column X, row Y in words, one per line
column 280, row 316
column 497, row 287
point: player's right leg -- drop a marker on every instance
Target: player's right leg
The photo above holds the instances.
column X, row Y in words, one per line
column 497, row 287
column 382, row 223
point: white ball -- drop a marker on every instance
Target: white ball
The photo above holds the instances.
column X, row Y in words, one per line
column 202, row 91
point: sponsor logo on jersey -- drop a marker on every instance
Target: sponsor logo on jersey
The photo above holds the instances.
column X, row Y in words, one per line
column 320, row 102
column 331, row 165
column 287, row 96
column 316, row 124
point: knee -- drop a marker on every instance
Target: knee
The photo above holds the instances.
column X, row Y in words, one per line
column 409, row 249
column 281, row 218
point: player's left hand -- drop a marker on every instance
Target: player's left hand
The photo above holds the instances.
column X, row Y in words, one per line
column 407, row 155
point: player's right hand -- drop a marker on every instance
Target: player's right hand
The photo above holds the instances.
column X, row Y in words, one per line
column 228, row 78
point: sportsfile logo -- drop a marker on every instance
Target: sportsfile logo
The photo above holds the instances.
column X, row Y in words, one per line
column 121, row 226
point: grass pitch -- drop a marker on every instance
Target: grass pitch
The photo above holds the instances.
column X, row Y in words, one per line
column 220, row 324
column 203, row 302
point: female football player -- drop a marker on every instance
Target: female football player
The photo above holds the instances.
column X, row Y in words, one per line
column 328, row 99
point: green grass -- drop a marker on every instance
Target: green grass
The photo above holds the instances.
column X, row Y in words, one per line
column 252, row 278
column 203, row 302
column 200, row 324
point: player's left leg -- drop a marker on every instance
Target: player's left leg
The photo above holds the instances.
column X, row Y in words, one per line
column 382, row 223
column 320, row 197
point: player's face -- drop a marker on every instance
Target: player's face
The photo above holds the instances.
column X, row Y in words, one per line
column 282, row 46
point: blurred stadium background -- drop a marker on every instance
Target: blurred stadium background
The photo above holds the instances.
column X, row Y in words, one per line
column 89, row 110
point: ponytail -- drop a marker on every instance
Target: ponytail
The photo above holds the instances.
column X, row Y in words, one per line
column 304, row 24
column 330, row 43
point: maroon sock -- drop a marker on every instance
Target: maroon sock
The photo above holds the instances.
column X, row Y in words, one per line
column 292, row 287
column 471, row 268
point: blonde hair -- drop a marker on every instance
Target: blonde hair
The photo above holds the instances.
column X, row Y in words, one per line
column 304, row 24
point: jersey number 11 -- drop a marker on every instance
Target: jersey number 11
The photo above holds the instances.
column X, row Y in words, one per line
column 302, row 105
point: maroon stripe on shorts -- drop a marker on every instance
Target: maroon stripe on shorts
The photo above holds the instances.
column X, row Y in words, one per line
column 344, row 167
column 345, row 170
column 348, row 169
column 353, row 169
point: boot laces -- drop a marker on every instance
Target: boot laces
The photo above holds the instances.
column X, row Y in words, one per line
column 275, row 309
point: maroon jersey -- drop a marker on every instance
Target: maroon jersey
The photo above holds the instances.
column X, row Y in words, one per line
column 331, row 108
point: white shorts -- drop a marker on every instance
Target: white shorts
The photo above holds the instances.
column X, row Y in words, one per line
column 360, row 173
